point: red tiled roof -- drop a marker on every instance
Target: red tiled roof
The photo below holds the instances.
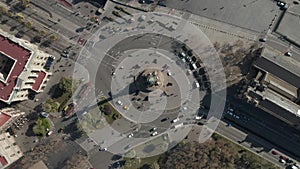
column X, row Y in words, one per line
column 21, row 55
column 39, row 80
column 4, row 118
column 3, row 161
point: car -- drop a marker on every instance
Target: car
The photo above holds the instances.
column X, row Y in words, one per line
column 116, row 164
column 164, row 119
column 130, row 135
column 294, row 167
column 175, row 120
column 44, row 114
column 20, row 34
column 153, row 129
column 282, row 5
column 198, row 117
column 142, row 1
column 288, row 53
column 282, row 161
column 50, row 132
column 263, row 39
column 196, row 84
column 103, row 149
column 49, row 62
column 169, row 73
column 283, row 157
column 119, row 103
column 154, row 133
column 274, row 152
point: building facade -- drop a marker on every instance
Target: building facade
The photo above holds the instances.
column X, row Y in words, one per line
column 21, row 69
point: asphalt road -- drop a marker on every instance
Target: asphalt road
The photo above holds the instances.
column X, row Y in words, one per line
column 266, row 126
column 249, row 141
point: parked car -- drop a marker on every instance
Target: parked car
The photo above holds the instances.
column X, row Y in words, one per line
column 175, row 120
column 274, row 152
column 153, row 129
column 154, row 133
column 164, row 119
column 49, row 62
column 44, row 114
column 50, row 132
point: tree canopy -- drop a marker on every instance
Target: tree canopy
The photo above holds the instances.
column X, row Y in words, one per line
column 41, row 126
column 51, row 106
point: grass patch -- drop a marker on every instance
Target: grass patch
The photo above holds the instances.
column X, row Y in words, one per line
column 138, row 163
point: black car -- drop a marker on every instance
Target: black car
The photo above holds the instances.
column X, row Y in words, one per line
column 164, row 119
column 162, row 3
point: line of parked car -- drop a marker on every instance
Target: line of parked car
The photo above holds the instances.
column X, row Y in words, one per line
column 199, row 72
column 285, row 160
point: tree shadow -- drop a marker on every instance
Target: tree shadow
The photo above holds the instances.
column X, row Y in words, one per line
column 55, row 92
column 29, row 132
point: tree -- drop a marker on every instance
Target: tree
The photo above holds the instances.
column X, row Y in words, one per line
column 53, row 37
column 107, row 110
column 65, row 84
column 28, row 24
column 3, row 10
column 42, row 32
column 41, row 127
column 51, row 106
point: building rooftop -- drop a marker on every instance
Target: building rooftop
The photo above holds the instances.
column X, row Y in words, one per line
column 280, row 68
column 3, row 118
column 21, row 57
column 38, row 80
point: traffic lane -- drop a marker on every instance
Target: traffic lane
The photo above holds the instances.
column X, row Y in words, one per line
column 279, row 139
column 269, row 121
column 65, row 14
column 63, row 30
column 237, row 136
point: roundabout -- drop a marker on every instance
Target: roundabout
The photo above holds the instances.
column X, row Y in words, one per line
column 144, row 65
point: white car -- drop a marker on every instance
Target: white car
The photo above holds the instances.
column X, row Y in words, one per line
column 119, row 103
column 282, row 161
column 175, row 120
column 130, row 135
column 169, row 73
column 198, row 117
column 154, row 133
column 49, row 133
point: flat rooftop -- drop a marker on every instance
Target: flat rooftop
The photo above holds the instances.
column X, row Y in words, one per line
column 280, row 66
column 21, row 57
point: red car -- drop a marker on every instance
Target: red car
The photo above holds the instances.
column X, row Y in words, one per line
column 275, row 152
column 284, row 158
